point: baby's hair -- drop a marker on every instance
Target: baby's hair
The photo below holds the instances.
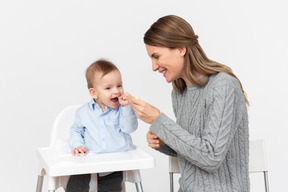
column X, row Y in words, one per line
column 102, row 65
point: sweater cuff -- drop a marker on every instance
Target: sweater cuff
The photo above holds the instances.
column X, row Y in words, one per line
column 158, row 128
column 157, row 124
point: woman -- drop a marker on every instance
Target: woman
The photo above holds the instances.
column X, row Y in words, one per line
column 210, row 135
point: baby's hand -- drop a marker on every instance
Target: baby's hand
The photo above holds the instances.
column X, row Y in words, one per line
column 79, row 150
column 123, row 99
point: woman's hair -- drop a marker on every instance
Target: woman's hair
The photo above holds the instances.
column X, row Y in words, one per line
column 173, row 32
column 100, row 65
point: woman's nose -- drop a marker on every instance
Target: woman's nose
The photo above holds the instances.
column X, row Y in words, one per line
column 154, row 66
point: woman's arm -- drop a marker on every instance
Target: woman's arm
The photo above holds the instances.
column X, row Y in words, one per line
column 148, row 114
column 226, row 107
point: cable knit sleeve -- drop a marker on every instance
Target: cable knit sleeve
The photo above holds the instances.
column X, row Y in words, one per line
column 224, row 107
column 165, row 148
column 174, row 102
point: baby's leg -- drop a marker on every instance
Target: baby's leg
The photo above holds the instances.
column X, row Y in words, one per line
column 78, row 183
column 111, row 182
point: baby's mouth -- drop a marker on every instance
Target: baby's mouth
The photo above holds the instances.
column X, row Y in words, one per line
column 114, row 100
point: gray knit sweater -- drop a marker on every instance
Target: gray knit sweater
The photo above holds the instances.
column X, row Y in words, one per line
column 210, row 136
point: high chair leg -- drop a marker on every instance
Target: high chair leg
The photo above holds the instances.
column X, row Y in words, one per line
column 139, row 187
column 39, row 183
column 123, row 187
column 266, row 181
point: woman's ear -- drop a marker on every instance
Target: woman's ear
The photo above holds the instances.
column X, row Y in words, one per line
column 93, row 93
column 182, row 50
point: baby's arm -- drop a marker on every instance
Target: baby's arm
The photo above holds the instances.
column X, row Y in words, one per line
column 77, row 131
column 128, row 120
column 79, row 150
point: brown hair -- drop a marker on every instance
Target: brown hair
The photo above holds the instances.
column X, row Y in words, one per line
column 100, row 65
column 172, row 31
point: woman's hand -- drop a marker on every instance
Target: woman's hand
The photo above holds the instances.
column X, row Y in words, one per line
column 152, row 140
column 143, row 110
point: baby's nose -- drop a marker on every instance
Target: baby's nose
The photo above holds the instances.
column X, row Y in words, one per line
column 116, row 91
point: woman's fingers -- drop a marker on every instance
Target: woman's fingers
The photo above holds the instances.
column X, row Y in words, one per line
column 137, row 105
column 152, row 140
column 134, row 102
column 144, row 110
column 151, row 136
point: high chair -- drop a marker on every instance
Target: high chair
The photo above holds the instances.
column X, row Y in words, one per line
column 57, row 163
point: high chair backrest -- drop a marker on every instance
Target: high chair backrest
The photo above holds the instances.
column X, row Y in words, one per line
column 257, row 162
column 257, row 156
column 62, row 125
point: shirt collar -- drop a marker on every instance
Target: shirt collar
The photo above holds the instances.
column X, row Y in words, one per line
column 95, row 106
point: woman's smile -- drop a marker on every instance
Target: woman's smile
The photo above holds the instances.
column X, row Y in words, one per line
column 169, row 62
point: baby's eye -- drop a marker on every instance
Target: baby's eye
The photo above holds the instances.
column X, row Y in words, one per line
column 119, row 86
column 107, row 88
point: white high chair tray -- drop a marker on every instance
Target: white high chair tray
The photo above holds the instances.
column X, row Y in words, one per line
column 59, row 164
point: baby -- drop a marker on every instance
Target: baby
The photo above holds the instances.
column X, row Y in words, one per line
column 103, row 125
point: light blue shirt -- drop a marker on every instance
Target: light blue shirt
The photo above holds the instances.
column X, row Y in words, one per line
column 103, row 132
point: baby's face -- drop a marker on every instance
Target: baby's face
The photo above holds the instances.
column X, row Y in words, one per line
column 107, row 89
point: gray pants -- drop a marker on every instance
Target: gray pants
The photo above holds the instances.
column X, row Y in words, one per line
column 108, row 183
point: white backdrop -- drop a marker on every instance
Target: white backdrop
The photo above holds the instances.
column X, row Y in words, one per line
column 45, row 47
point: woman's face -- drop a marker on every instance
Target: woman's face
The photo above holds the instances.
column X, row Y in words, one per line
column 169, row 62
